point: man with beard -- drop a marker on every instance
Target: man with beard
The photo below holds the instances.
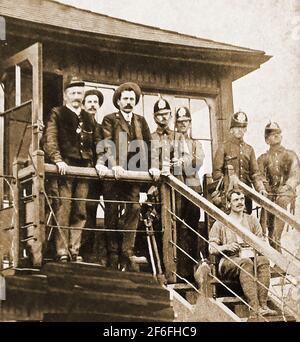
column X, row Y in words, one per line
column 124, row 132
column 69, row 140
column 281, row 171
column 93, row 246
column 222, row 239
column 240, row 155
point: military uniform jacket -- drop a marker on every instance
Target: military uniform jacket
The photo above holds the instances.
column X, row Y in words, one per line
column 242, row 157
column 166, row 145
column 279, row 167
column 112, row 151
column 69, row 136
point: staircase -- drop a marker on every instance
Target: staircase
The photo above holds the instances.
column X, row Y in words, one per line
column 192, row 306
column 84, row 292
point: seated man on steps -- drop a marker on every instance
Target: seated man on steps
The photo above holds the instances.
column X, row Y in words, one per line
column 222, row 239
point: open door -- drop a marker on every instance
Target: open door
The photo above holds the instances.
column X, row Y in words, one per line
column 21, row 121
column 20, row 132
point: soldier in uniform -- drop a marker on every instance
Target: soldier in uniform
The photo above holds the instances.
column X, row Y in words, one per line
column 240, row 155
column 189, row 212
column 169, row 152
column 281, row 171
column 168, row 147
column 69, row 140
column 93, row 245
column 120, row 130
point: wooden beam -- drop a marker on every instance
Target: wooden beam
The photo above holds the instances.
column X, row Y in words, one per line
column 90, row 172
column 270, row 206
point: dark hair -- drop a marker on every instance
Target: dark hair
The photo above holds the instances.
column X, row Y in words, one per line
column 94, row 92
column 126, row 89
column 237, row 191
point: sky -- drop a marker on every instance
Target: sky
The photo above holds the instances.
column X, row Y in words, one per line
column 270, row 93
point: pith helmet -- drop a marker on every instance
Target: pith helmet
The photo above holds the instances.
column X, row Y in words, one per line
column 272, row 127
column 182, row 114
column 239, row 119
column 161, row 106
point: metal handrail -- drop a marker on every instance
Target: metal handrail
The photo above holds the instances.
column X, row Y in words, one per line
column 291, row 267
column 270, row 206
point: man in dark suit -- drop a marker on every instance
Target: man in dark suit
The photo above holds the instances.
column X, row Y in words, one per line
column 124, row 133
column 69, row 140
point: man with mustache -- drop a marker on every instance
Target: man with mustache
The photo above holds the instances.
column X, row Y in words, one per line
column 124, row 134
column 93, row 246
column 69, row 140
column 280, row 168
column 222, row 239
column 236, row 152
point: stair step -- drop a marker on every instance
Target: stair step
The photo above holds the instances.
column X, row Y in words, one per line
column 100, row 317
column 95, row 270
column 80, row 300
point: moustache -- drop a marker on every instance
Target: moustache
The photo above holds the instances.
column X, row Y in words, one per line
column 128, row 106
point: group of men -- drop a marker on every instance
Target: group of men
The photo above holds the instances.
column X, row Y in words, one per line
column 275, row 174
column 121, row 142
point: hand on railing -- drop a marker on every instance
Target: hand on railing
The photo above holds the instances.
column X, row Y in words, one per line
column 154, row 173
column 101, row 170
column 118, row 171
column 62, row 167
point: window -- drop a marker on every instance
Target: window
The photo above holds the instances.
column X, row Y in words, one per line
column 200, row 111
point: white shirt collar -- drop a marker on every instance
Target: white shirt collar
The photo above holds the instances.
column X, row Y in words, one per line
column 77, row 111
column 127, row 116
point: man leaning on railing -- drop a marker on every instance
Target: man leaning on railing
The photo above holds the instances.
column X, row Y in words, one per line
column 223, row 240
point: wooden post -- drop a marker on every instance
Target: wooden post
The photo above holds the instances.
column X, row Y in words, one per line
column 37, row 230
column 166, row 220
column 226, row 104
column 16, row 215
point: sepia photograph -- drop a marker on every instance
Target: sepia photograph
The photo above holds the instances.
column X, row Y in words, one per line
column 149, row 163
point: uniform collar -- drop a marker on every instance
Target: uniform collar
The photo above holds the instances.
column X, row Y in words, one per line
column 277, row 148
column 74, row 110
column 161, row 131
column 127, row 116
column 236, row 141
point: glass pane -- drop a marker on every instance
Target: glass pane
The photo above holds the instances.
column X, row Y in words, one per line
column 207, row 163
column 206, row 167
column 200, row 119
column 26, row 81
column 148, row 104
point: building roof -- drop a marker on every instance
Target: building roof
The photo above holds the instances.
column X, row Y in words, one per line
column 65, row 16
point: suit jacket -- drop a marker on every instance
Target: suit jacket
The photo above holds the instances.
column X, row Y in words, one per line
column 69, row 136
column 120, row 142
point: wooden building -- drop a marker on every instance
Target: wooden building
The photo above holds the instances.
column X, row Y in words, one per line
column 47, row 41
